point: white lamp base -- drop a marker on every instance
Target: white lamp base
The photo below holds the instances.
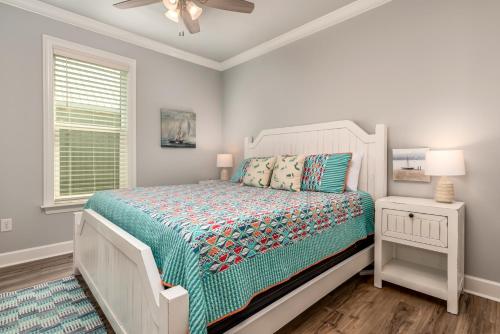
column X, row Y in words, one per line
column 224, row 174
column 445, row 192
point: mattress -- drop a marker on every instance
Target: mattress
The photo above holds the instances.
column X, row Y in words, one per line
column 226, row 243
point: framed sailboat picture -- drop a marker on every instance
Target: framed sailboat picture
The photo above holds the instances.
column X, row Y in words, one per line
column 178, row 128
column 409, row 165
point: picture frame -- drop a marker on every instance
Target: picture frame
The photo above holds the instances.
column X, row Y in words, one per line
column 409, row 165
column 178, row 128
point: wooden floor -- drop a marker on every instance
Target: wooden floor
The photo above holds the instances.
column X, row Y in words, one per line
column 355, row 307
column 29, row 274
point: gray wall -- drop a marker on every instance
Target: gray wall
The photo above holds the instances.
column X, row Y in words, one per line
column 429, row 70
column 162, row 81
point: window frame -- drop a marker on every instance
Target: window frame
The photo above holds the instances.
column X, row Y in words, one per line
column 84, row 53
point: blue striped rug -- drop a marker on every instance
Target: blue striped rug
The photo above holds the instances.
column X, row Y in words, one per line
column 59, row 306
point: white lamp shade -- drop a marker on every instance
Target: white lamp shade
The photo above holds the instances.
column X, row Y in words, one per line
column 445, row 163
column 171, row 4
column 193, row 10
column 224, row 160
column 173, row 15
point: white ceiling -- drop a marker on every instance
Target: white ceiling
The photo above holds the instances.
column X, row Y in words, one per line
column 223, row 34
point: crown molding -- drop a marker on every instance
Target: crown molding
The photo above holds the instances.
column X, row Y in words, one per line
column 339, row 15
column 80, row 21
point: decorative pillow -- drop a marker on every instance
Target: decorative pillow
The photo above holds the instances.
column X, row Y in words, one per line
column 287, row 172
column 259, row 171
column 325, row 172
column 353, row 171
column 240, row 171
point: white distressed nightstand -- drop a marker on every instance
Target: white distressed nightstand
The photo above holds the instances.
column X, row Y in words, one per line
column 208, row 181
column 419, row 244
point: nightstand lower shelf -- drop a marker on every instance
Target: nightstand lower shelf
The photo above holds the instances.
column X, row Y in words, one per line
column 416, row 277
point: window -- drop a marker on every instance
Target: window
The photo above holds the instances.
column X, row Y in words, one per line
column 89, row 120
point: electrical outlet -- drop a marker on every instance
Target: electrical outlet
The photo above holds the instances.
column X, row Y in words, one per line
column 6, row 225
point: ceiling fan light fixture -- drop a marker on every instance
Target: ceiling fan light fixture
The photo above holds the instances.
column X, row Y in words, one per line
column 171, row 4
column 189, row 11
column 173, row 15
column 193, row 10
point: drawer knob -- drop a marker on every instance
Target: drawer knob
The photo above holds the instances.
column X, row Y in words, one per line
column 411, row 215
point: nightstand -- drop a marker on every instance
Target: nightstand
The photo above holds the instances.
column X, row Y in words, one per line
column 419, row 244
column 209, row 181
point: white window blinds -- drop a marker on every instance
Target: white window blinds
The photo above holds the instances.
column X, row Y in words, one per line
column 90, row 128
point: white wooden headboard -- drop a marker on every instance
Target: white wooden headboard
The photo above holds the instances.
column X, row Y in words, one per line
column 332, row 137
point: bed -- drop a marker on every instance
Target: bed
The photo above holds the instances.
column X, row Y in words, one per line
column 235, row 249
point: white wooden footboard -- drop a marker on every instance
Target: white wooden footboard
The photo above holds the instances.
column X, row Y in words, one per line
column 122, row 275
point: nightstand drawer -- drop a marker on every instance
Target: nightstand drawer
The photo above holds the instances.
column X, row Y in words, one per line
column 416, row 227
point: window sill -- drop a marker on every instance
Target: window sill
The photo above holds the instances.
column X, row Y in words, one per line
column 72, row 206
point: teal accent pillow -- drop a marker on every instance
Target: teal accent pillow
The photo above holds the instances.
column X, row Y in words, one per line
column 325, row 172
column 239, row 173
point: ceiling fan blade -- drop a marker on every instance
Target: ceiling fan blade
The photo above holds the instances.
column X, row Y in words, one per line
column 134, row 3
column 192, row 25
column 241, row 6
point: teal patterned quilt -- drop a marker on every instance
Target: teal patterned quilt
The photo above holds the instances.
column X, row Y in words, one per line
column 224, row 243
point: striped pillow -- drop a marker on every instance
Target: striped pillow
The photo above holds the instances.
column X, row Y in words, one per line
column 325, row 172
column 239, row 173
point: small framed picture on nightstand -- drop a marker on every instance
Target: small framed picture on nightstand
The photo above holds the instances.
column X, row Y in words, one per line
column 409, row 165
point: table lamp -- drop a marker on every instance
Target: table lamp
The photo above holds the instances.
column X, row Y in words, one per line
column 444, row 163
column 224, row 161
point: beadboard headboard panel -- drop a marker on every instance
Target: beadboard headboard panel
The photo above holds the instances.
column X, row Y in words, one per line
column 331, row 137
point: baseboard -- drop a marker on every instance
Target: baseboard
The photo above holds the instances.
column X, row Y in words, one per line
column 482, row 287
column 35, row 253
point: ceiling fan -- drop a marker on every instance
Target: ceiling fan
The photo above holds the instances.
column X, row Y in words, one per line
column 190, row 10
